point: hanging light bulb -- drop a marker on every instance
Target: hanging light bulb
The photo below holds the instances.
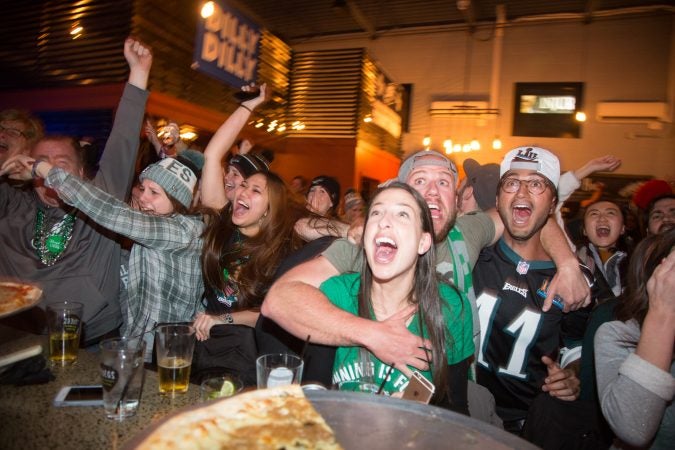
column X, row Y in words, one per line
column 447, row 145
column 207, row 10
column 496, row 143
column 580, row 116
column 466, row 148
column 426, row 142
column 457, row 148
column 475, row 145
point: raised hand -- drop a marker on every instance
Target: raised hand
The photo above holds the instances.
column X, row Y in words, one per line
column 139, row 58
column 18, row 167
column 607, row 163
column 255, row 102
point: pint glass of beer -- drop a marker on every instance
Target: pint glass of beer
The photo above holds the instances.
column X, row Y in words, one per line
column 174, row 344
column 64, row 321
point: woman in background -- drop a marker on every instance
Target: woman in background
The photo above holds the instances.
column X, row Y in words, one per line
column 634, row 355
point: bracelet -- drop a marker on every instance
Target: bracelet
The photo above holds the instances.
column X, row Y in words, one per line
column 33, row 170
column 246, row 107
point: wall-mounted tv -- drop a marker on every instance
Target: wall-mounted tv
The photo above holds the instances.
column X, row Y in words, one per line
column 547, row 109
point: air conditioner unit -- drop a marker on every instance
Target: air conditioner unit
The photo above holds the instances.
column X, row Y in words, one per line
column 632, row 112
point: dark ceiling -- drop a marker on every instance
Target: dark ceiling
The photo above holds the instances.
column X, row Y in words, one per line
column 297, row 20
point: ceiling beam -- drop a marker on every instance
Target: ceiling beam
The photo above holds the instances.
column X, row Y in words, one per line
column 360, row 18
column 589, row 10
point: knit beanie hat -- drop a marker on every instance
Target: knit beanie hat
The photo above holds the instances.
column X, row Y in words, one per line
column 331, row 185
column 251, row 163
column 177, row 176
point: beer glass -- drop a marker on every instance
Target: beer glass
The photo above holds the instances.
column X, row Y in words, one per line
column 122, row 376
column 64, row 322
column 174, row 344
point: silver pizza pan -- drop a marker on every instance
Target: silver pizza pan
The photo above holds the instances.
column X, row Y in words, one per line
column 363, row 421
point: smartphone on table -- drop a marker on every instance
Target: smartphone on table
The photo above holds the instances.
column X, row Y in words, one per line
column 80, row 396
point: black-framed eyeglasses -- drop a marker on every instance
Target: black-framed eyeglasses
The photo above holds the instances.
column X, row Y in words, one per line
column 12, row 131
column 535, row 186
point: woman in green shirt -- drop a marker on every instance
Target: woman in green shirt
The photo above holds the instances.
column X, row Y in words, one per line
column 398, row 247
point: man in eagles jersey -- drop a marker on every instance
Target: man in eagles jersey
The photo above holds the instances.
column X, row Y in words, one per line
column 519, row 341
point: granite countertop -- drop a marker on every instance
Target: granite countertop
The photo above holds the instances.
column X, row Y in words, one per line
column 28, row 419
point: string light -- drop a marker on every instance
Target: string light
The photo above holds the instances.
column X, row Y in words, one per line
column 426, row 142
column 496, row 143
column 207, row 10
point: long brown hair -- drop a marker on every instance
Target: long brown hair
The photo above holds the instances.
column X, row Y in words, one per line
column 634, row 301
column 254, row 260
column 423, row 292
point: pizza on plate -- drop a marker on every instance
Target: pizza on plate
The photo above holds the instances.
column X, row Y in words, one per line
column 15, row 297
column 277, row 418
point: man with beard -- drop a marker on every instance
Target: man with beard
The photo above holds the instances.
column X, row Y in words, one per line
column 520, row 339
column 661, row 214
column 296, row 303
column 54, row 246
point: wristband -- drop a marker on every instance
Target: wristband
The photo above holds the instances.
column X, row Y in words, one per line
column 246, row 107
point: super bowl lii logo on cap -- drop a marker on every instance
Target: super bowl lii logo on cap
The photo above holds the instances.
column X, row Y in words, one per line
column 528, row 153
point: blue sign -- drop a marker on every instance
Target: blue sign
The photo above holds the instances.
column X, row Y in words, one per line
column 227, row 46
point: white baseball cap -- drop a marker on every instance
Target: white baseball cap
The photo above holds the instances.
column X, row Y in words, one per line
column 532, row 158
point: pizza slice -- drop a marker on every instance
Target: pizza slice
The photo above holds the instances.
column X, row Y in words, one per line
column 278, row 418
column 15, row 297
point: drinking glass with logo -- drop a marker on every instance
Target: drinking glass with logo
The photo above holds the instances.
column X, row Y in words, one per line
column 175, row 345
column 122, row 376
column 278, row 369
column 64, row 322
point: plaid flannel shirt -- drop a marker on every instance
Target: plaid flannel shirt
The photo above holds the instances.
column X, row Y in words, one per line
column 165, row 278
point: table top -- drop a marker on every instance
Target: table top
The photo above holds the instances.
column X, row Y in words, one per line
column 28, row 419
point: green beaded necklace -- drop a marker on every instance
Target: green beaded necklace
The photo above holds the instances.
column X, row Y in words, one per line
column 49, row 246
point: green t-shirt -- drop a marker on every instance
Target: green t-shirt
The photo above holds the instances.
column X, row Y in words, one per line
column 342, row 290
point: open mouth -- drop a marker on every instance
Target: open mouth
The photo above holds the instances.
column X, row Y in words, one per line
column 521, row 213
column 435, row 210
column 385, row 249
column 602, row 232
column 240, row 207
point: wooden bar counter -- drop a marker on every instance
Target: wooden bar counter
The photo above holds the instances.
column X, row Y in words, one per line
column 28, row 419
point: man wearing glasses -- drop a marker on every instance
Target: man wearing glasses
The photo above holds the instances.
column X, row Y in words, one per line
column 520, row 342
column 18, row 132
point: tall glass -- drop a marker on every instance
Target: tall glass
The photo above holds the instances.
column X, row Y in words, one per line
column 122, row 376
column 174, row 345
column 64, row 322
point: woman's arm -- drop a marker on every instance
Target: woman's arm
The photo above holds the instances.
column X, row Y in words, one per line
column 633, row 392
column 213, row 184
column 204, row 322
column 159, row 232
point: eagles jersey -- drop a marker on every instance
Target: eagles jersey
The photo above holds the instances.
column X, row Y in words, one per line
column 514, row 332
